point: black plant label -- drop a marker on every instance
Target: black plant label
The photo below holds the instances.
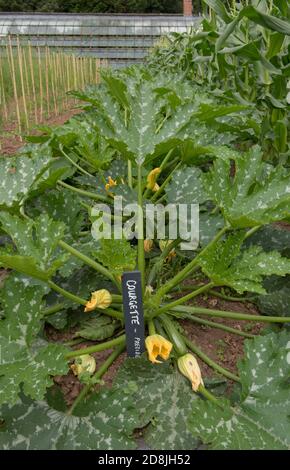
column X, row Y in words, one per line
column 133, row 312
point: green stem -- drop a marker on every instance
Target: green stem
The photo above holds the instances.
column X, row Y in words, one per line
column 151, row 328
column 229, row 297
column 112, row 313
column 66, row 294
column 130, row 179
column 158, row 264
column 252, row 231
column 210, row 362
column 97, row 348
column 184, row 299
column 232, row 315
column 208, row 395
column 93, row 264
column 82, row 192
column 75, row 164
column 53, row 309
column 178, row 278
column 140, row 230
column 219, row 326
column 165, row 160
column 98, row 375
column 165, row 182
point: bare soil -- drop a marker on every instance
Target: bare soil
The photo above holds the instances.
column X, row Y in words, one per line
column 221, row 346
column 11, row 142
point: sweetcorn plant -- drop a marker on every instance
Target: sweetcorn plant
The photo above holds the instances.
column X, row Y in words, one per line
column 133, row 124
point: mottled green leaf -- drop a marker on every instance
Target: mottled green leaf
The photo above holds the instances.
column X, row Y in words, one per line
column 25, row 361
column 36, row 242
column 163, row 399
column 245, row 201
column 261, row 420
column 105, row 423
column 98, row 328
column 225, row 264
column 18, row 177
column 117, row 255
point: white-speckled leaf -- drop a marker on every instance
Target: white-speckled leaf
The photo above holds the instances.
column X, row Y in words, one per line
column 36, row 243
column 18, row 175
column 186, row 187
column 244, row 200
column 106, row 422
column 164, row 400
column 261, row 420
column 225, row 264
column 25, row 361
column 117, row 255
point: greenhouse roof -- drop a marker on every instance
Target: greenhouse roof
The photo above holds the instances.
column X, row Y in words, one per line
column 112, row 37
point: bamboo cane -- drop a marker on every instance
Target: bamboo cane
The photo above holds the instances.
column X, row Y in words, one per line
column 47, row 82
column 20, row 62
column 13, row 76
column 40, row 83
column 32, row 82
column 3, row 92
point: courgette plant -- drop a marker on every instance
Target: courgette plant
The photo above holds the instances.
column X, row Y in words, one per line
column 136, row 123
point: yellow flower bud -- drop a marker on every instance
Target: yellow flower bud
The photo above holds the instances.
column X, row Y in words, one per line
column 85, row 363
column 156, row 346
column 148, row 291
column 110, row 183
column 189, row 367
column 100, row 299
column 163, row 244
column 151, row 179
column 148, row 244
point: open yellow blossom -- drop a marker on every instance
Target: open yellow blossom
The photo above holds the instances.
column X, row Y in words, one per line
column 99, row 299
column 148, row 244
column 156, row 346
column 189, row 367
column 151, row 179
column 110, row 183
column 82, row 364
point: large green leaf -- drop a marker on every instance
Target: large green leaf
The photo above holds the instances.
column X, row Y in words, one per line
column 225, row 264
column 60, row 206
column 246, row 199
column 261, row 420
column 25, row 361
column 142, row 395
column 117, row 255
column 186, row 187
column 155, row 118
column 164, row 399
column 18, row 177
column 98, row 328
column 36, row 242
column 105, row 423
column 277, row 299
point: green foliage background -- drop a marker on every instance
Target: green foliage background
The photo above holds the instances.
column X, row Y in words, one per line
column 93, row 6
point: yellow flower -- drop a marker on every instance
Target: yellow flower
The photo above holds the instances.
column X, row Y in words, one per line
column 148, row 244
column 85, row 363
column 151, row 179
column 99, row 299
column 156, row 346
column 110, row 183
column 189, row 367
column 163, row 244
